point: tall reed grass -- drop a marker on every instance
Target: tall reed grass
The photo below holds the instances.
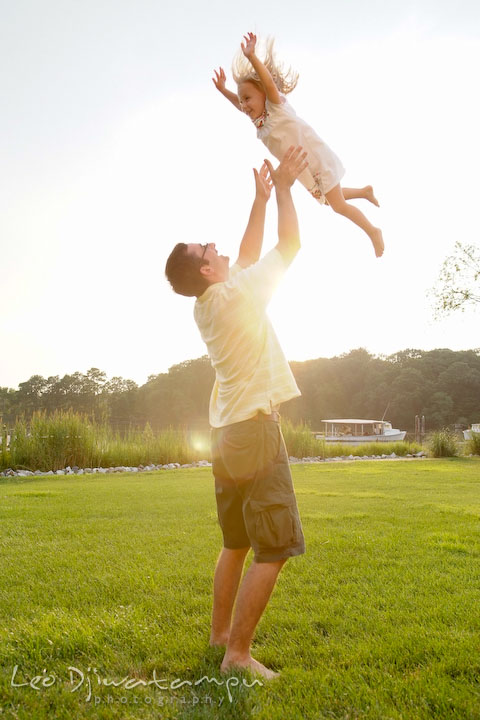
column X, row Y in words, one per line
column 443, row 443
column 68, row 439
column 300, row 440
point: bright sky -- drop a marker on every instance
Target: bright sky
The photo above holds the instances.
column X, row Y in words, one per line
column 115, row 145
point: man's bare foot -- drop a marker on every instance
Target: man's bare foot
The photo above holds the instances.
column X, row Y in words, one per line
column 368, row 190
column 377, row 241
column 249, row 664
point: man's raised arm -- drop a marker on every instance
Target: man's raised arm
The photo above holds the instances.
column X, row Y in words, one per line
column 283, row 177
column 251, row 245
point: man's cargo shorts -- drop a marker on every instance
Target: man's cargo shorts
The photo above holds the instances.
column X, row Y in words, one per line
column 256, row 502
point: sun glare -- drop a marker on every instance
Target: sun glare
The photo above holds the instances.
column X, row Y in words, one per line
column 200, row 443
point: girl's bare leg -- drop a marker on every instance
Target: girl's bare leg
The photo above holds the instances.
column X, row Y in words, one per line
column 365, row 193
column 337, row 202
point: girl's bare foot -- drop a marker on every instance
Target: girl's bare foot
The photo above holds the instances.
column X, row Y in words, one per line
column 368, row 190
column 249, row 664
column 377, row 240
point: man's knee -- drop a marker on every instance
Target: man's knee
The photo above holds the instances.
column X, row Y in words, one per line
column 277, row 564
column 236, row 552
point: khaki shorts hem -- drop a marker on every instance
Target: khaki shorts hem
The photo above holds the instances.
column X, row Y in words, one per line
column 269, row 557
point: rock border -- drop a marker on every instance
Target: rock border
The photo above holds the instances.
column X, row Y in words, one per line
column 75, row 470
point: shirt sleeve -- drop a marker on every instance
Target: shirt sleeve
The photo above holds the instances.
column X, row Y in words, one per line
column 259, row 281
column 275, row 108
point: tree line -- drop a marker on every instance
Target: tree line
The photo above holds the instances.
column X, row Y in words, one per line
column 443, row 385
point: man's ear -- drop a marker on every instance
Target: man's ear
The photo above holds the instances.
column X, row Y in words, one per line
column 206, row 270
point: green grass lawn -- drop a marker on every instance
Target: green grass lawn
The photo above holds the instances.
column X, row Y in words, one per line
column 111, row 575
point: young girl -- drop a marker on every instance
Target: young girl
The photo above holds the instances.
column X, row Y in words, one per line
column 261, row 88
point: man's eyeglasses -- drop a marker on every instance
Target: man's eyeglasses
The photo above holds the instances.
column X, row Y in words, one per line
column 205, row 247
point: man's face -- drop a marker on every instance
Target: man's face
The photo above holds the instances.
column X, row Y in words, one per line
column 216, row 267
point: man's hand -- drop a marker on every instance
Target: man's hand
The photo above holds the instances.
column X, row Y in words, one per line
column 283, row 177
column 250, row 42
column 293, row 163
column 263, row 183
column 220, row 79
column 251, row 245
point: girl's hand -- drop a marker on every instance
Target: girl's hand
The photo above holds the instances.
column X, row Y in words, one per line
column 220, row 79
column 250, row 42
column 263, row 183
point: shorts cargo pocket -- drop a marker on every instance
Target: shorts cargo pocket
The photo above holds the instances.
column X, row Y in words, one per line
column 275, row 522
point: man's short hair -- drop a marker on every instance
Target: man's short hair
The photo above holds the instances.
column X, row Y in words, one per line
column 183, row 272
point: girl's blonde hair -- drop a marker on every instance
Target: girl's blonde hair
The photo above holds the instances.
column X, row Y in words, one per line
column 284, row 78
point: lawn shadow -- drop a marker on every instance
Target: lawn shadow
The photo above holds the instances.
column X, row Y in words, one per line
column 212, row 695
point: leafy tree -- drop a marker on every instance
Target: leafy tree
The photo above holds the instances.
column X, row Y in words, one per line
column 51, row 397
column 120, row 397
column 92, row 384
column 30, row 394
column 93, row 381
column 179, row 397
column 404, row 356
column 69, row 390
column 7, row 399
column 462, row 383
column 442, row 384
column 439, row 412
column 409, row 393
column 458, row 284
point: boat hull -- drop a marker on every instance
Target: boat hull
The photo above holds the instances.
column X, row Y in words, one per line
column 474, row 430
column 360, row 439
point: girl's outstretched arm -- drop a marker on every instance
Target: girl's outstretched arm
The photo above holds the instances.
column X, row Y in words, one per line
column 271, row 90
column 219, row 81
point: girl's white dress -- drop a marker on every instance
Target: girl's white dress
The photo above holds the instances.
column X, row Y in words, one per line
column 279, row 127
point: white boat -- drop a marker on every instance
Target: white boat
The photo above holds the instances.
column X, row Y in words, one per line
column 467, row 434
column 354, row 431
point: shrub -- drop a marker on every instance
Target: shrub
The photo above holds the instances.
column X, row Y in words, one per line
column 443, row 443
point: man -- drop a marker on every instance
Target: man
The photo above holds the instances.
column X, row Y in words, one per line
column 255, row 498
